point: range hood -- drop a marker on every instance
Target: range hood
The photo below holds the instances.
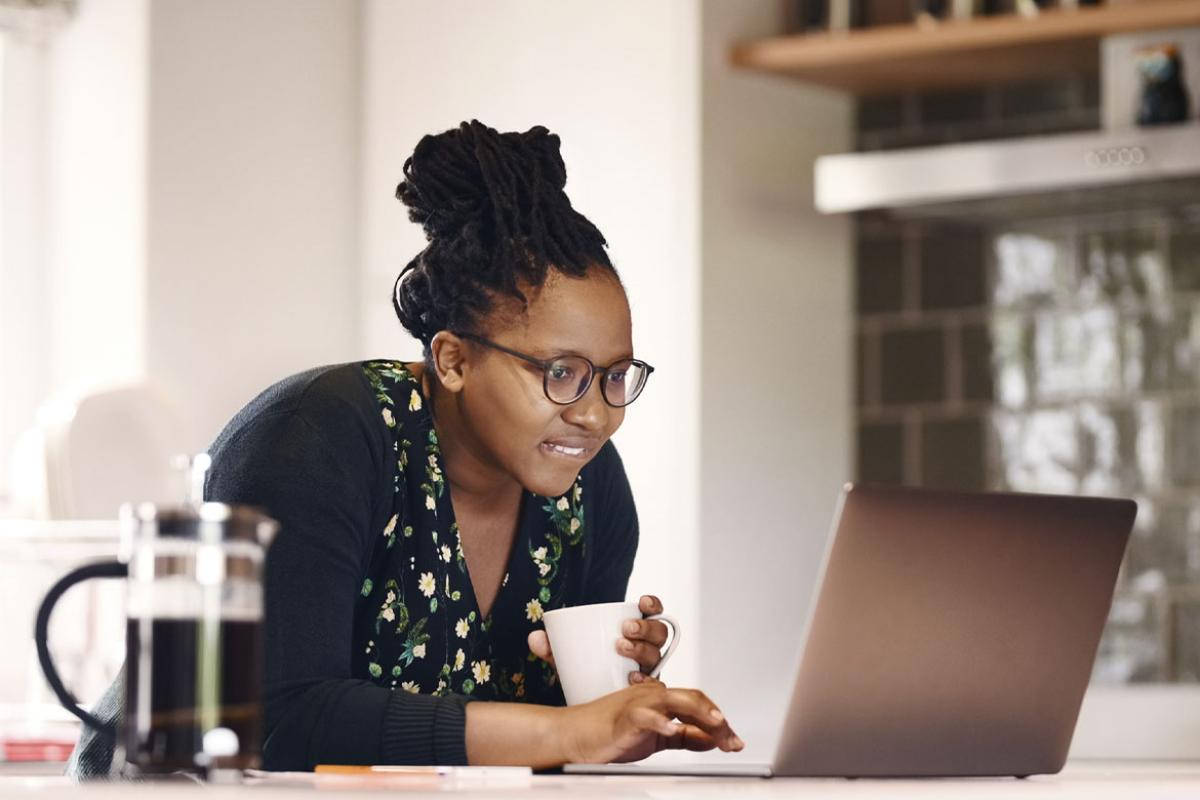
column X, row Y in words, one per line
column 1116, row 167
column 988, row 177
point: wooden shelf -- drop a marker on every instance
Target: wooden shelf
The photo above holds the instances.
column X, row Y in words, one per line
column 951, row 54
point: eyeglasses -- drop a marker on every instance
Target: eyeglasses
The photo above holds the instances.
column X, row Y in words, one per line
column 565, row 379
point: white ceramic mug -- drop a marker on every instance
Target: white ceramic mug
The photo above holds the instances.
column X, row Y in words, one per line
column 584, row 641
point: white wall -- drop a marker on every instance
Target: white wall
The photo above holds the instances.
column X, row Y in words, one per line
column 618, row 82
column 776, row 385
column 252, row 176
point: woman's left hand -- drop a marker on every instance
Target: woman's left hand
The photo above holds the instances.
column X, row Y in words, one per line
column 643, row 638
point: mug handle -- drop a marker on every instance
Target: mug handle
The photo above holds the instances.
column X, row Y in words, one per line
column 671, row 645
column 41, row 629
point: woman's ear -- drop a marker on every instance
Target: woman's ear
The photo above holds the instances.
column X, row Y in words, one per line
column 449, row 354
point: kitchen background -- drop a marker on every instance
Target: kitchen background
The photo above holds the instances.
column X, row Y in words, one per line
column 158, row 227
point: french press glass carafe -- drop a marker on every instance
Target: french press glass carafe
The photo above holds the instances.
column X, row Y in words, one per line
column 194, row 634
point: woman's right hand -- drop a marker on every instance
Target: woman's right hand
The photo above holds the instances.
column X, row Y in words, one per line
column 633, row 723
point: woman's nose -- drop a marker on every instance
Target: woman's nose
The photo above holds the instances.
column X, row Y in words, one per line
column 589, row 411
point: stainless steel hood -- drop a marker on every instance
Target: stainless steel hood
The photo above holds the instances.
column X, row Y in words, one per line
column 972, row 178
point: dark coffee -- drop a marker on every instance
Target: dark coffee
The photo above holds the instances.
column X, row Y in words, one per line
column 201, row 675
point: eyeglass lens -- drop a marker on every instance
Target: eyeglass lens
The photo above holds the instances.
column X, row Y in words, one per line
column 568, row 377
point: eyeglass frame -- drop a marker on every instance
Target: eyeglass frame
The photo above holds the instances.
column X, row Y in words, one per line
column 545, row 367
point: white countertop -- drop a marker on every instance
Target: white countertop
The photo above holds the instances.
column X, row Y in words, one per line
column 1149, row 780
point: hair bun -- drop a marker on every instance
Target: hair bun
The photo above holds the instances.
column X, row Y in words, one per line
column 546, row 147
column 498, row 219
column 453, row 178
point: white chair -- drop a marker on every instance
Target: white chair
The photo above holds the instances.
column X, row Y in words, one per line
column 109, row 447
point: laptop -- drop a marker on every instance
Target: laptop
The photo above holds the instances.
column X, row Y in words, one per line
column 950, row 634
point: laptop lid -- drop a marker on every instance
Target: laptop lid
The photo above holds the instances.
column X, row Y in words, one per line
column 952, row 633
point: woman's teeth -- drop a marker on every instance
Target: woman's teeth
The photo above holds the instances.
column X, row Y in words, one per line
column 566, row 451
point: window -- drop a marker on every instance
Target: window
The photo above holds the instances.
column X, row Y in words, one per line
column 26, row 27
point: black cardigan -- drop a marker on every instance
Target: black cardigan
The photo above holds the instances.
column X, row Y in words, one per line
column 315, row 452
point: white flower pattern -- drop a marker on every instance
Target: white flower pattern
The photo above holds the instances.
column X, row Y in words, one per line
column 533, row 610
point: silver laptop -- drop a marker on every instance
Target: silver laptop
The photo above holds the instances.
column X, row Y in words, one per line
column 951, row 634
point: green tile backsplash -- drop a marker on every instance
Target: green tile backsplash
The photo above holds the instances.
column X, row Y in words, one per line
column 1052, row 355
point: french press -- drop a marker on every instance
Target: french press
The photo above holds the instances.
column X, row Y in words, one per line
column 194, row 633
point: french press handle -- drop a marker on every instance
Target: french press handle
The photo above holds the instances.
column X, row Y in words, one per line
column 41, row 630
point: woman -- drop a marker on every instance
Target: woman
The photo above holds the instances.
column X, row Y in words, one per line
column 433, row 512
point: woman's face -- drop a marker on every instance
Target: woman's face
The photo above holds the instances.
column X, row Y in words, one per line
column 515, row 427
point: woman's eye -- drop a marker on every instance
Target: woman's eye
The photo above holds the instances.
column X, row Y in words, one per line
column 616, row 377
column 560, row 373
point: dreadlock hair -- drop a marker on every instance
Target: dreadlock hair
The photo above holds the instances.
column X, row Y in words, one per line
column 496, row 217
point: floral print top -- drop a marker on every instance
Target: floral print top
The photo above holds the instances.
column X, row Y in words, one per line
column 419, row 628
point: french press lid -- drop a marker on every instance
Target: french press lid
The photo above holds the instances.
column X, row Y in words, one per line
column 197, row 520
